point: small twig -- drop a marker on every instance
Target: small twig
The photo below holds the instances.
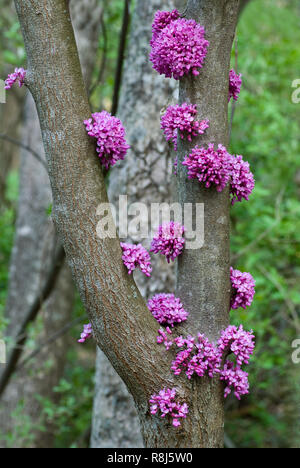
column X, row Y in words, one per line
column 233, row 108
column 48, row 342
column 104, row 57
column 30, row 317
column 121, row 54
column 25, row 147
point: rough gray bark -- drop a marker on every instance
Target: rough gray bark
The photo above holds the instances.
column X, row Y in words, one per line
column 123, row 327
column 35, row 243
column 203, row 279
column 143, row 94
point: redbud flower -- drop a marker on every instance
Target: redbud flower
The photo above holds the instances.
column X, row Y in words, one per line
column 210, row 166
column 110, row 135
column 163, row 338
column 199, row 356
column 179, row 48
column 86, row 334
column 169, row 240
column 182, row 119
column 239, row 342
column 164, row 403
column 161, row 20
column 17, row 77
column 243, row 286
column 136, row 256
column 234, row 377
column 242, row 179
column 167, row 309
column 235, row 83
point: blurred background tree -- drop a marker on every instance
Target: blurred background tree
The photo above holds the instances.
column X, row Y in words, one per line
column 265, row 231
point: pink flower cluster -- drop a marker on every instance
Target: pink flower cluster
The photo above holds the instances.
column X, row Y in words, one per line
column 198, row 356
column 209, row 166
column 163, row 338
column 218, row 167
column 169, row 240
column 201, row 357
column 161, row 20
column 18, row 76
column 136, row 256
column 165, row 403
column 234, row 377
column 235, row 84
column 243, row 285
column 242, row 180
column 110, row 135
column 239, row 342
column 167, row 309
column 182, row 119
column 86, row 334
column 178, row 45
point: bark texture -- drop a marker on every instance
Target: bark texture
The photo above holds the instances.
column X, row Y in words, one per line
column 203, row 279
column 32, row 257
column 146, row 176
column 123, row 327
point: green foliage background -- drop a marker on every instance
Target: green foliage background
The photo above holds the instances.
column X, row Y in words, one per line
column 265, row 231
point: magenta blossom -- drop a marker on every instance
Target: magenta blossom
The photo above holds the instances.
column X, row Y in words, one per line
column 234, row 377
column 169, row 240
column 235, row 84
column 210, row 166
column 110, row 134
column 136, row 256
column 179, row 48
column 198, row 356
column 86, row 334
column 17, row 77
column 182, row 119
column 164, row 402
column 161, row 20
column 167, row 309
column 243, row 286
column 242, row 180
column 239, row 342
column 163, row 338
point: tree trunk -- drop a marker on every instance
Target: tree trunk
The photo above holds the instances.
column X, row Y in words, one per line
column 34, row 247
column 143, row 94
column 122, row 325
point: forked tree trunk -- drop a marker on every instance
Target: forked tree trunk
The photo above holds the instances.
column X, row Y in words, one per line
column 122, row 325
column 115, row 420
column 33, row 253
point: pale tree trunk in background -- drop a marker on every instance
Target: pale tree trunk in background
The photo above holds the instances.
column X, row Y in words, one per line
column 123, row 327
column 146, row 176
column 32, row 257
column 10, row 120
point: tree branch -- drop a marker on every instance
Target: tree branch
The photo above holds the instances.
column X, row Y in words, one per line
column 120, row 62
column 122, row 325
column 26, row 147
